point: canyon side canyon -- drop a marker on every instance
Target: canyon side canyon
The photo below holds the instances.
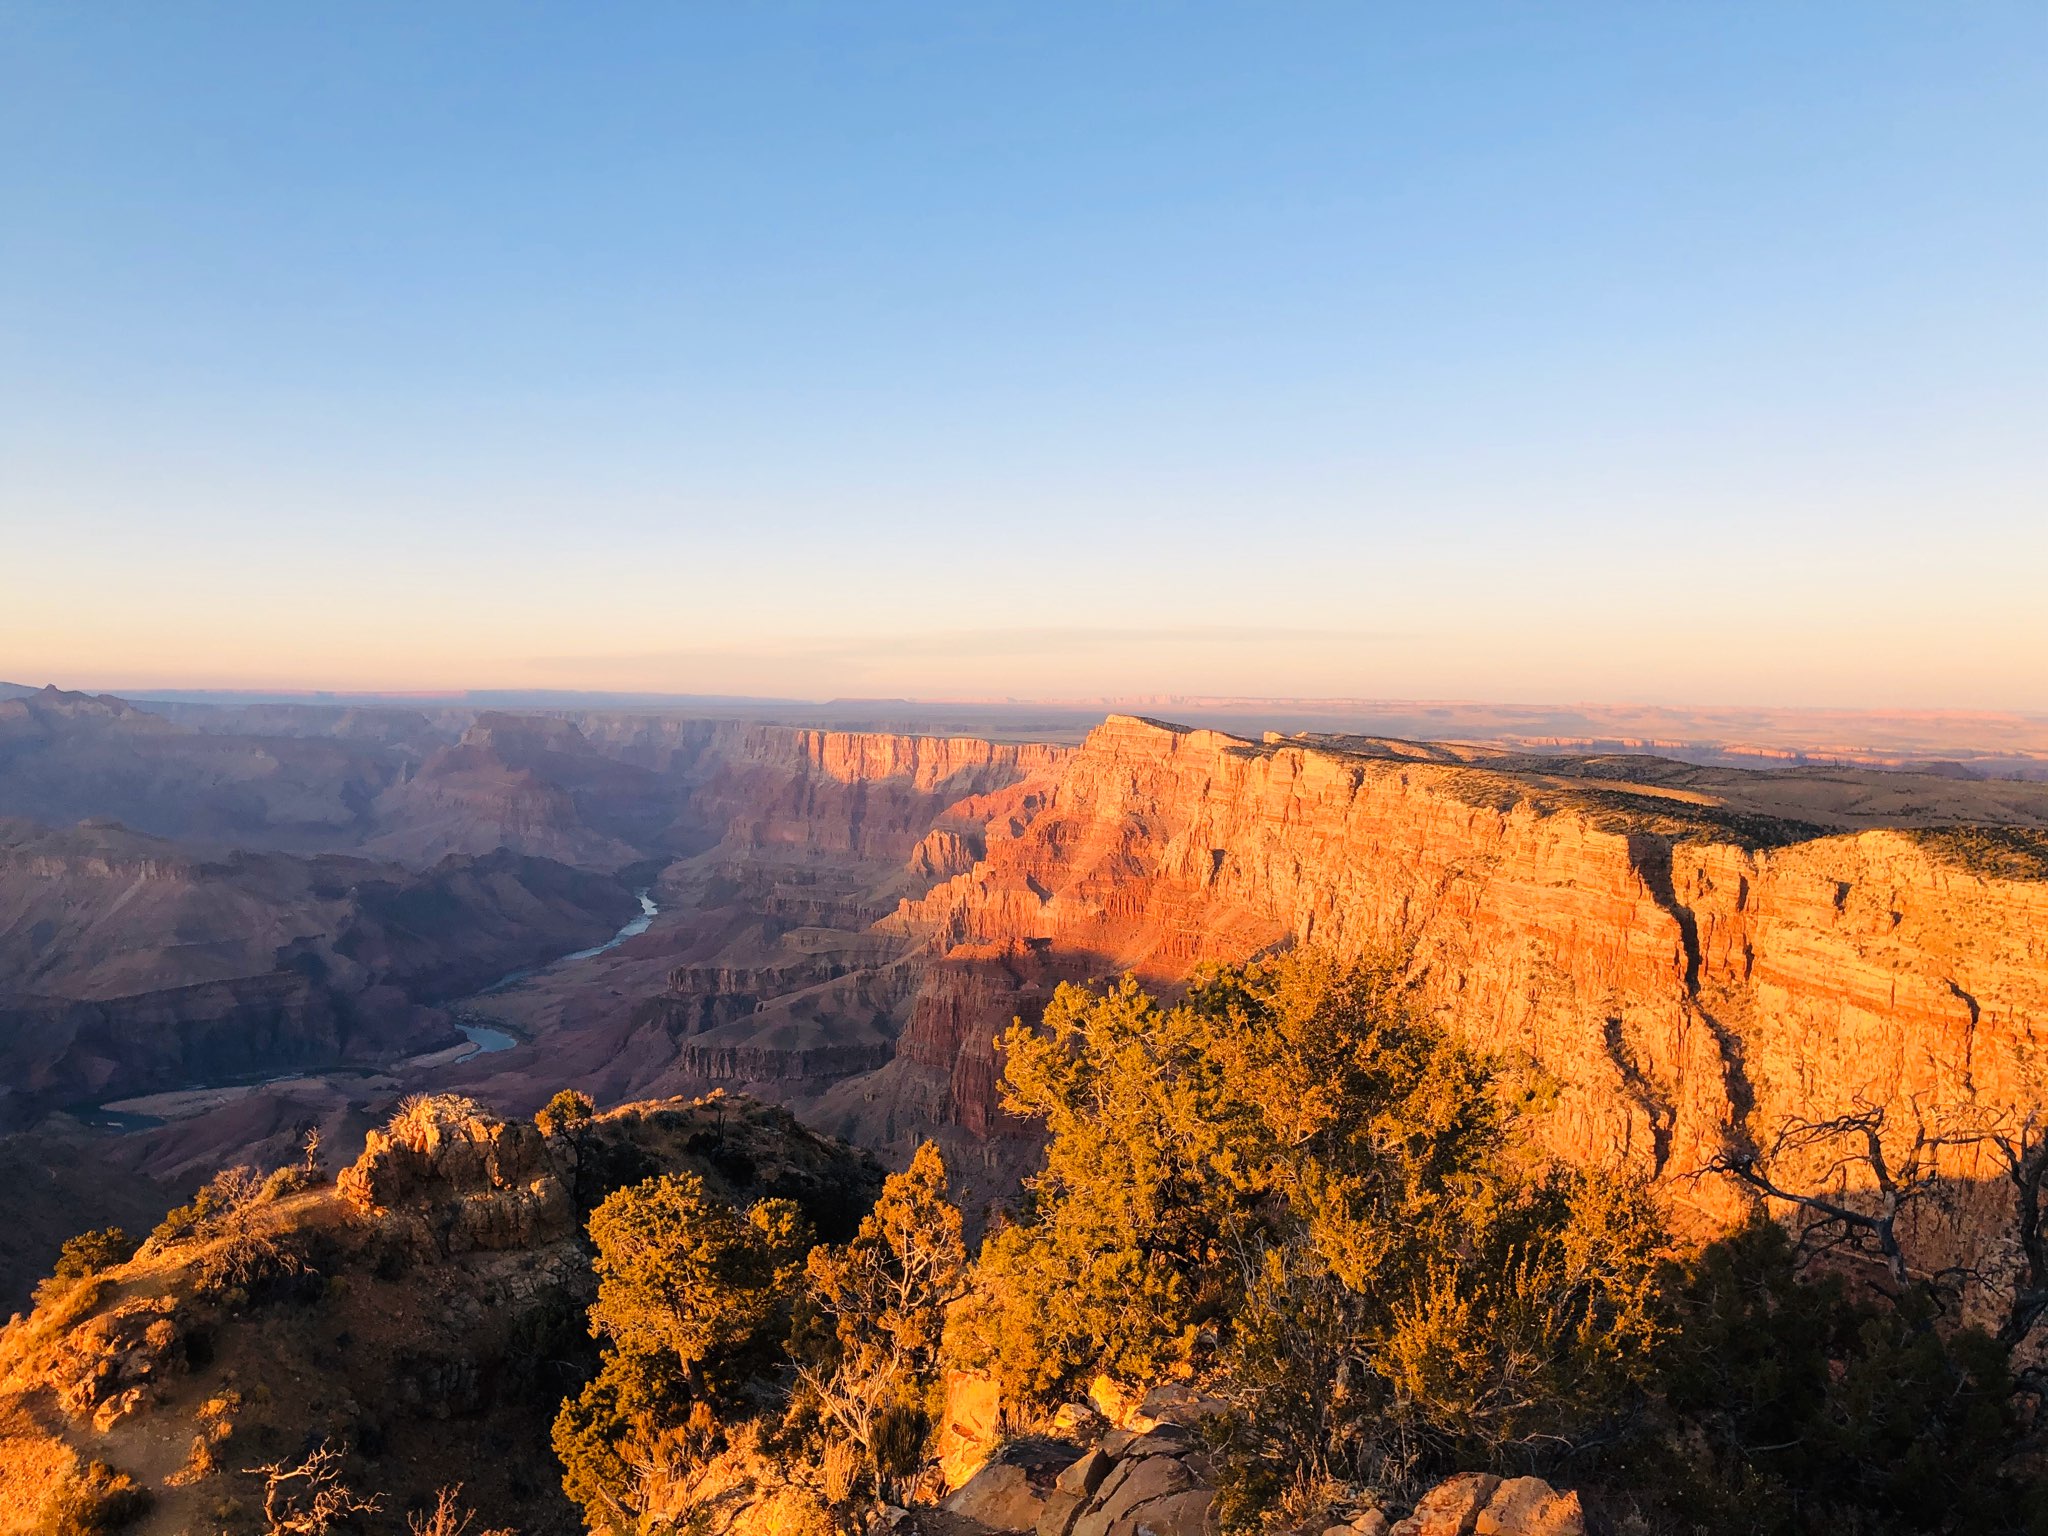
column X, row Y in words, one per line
column 231, row 924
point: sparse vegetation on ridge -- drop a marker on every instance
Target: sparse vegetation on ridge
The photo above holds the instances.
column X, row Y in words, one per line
column 429, row 1341
column 1290, row 1196
column 421, row 1116
column 2006, row 853
column 1296, row 1189
column 1299, row 1196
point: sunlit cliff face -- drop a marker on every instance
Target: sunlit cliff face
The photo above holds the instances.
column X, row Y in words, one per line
column 1685, row 971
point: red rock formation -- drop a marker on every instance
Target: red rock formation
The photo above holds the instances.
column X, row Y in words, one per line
column 1679, row 978
column 779, row 792
column 806, row 839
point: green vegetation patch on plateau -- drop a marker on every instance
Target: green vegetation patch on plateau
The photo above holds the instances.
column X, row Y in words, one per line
column 2005, row 853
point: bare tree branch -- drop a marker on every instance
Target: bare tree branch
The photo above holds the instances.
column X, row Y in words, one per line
column 310, row 1499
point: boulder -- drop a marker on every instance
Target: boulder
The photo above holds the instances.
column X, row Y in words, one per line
column 1131, row 1486
column 1001, row 1497
column 1083, row 1477
column 1451, row 1508
column 118, row 1407
column 1163, row 1440
column 968, row 1430
column 1062, row 1509
column 1528, row 1506
column 1178, row 1514
column 1146, row 1479
column 1011, row 1491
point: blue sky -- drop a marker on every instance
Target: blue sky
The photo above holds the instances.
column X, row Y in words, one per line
column 1638, row 352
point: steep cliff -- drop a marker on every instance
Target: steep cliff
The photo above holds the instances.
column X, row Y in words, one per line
column 779, row 792
column 1683, row 969
column 764, row 968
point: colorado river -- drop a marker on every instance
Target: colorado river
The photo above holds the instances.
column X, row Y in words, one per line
column 487, row 1039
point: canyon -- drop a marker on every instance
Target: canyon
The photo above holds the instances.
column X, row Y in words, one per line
column 1684, row 958
column 1671, row 957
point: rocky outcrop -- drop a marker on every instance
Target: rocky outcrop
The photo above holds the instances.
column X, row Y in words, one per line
column 458, row 1179
column 1480, row 1504
column 1683, row 970
column 467, row 1181
column 433, row 1319
column 1160, row 1482
column 103, row 1369
column 783, row 793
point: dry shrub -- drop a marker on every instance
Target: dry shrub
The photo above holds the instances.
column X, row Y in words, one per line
column 1309, row 1501
column 312, row 1155
column 92, row 1502
column 216, row 1420
column 840, row 1465
column 200, row 1464
column 449, row 1518
column 285, row 1182
column 253, row 1252
column 252, row 1260
column 224, row 1196
column 34, row 1465
column 310, row 1497
column 217, row 1415
column 421, row 1116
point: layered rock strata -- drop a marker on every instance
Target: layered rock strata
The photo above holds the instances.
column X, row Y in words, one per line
column 1683, row 973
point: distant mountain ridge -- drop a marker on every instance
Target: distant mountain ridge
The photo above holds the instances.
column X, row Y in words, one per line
column 1995, row 743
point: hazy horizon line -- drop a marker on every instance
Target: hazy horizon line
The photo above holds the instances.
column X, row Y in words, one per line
column 202, row 692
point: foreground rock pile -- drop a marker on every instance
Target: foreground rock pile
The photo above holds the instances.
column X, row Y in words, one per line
column 1480, row 1504
column 1159, row 1482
